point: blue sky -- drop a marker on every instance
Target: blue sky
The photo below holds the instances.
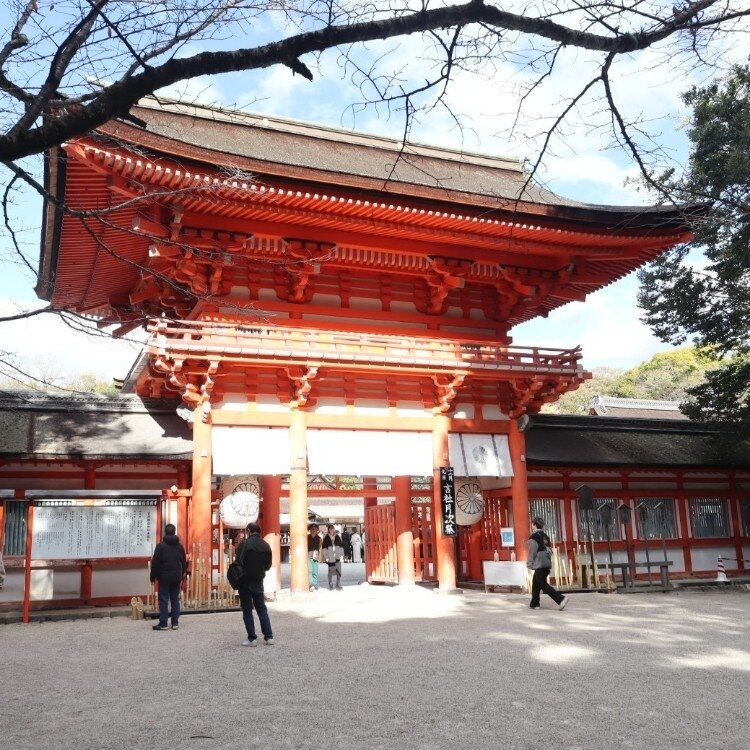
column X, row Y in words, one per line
column 582, row 164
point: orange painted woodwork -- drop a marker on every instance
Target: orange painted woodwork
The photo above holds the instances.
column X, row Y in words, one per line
column 404, row 536
column 519, row 490
column 271, row 493
column 445, row 546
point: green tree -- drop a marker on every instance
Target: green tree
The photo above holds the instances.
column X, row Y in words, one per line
column 667, row 376
column 576, row 402
column 709, row 301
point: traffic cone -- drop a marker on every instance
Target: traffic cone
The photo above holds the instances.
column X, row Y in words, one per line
column 721, row 573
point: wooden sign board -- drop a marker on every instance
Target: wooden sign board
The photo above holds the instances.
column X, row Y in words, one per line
column 80, row 532
column 448, row 501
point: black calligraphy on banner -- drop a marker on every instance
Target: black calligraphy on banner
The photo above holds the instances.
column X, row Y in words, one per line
column 448, row 501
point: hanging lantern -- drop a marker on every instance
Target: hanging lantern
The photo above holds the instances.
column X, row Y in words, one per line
column 241, row 503
column 469, row 501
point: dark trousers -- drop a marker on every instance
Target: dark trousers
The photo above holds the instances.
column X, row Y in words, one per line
column 169, row 593
column 539, row 584
column 252, row 596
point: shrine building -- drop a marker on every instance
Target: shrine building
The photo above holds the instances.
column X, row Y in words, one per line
column 329, row 315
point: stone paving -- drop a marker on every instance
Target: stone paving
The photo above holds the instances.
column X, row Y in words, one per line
column 380, row 667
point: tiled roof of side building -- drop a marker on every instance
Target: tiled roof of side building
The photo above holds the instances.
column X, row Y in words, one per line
column 50, row 426
column 602, row 441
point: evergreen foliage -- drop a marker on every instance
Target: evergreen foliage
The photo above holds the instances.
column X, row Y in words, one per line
column 709, row 302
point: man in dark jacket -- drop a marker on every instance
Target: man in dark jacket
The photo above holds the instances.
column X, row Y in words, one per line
column 168, row 566
column 254, row 554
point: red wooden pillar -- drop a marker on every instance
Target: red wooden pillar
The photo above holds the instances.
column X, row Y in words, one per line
column 298, row 502
column 682, row 510
column 87, row 570
column 182, row 502
column 734, row 510
column 475, row 553
column 370, row 501
column 200, row 501
column 2, row 525
column 404, row 534
column 27, row 563
column 445, row 547
column 87, row 576
column 519, row 489
column 271, row 494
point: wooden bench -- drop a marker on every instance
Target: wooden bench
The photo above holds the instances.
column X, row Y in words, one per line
column 628, row 570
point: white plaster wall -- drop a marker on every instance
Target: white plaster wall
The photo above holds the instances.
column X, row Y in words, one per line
column 411, row 409
column 464, row 411
column 490, row 411
column 46, row 585
column 330, row 406
column 13, row 589
column 367, row 408
column 361, row 303
column 120, row 581
column 707, row 558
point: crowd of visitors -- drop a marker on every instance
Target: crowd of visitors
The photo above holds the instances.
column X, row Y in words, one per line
column 333, row 548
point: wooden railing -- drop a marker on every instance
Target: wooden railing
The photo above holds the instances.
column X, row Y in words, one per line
column 230, row 342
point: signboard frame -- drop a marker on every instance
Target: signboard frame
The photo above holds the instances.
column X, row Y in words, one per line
column 448, row 501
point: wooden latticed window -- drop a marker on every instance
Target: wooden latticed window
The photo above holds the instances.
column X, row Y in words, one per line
column 709, row 517
column 600, row 522
column 656, row 518
column 15, row 528
column 549, row 509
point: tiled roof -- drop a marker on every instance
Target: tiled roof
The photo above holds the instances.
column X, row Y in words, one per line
column 46, row 426
column 635, row 408
column 603, row 441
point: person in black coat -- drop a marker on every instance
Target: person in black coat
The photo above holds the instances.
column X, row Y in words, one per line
column 255, row 556
column 168, row 567
column 346, row 542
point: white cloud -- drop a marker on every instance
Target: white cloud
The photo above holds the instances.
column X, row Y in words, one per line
column 607, row 326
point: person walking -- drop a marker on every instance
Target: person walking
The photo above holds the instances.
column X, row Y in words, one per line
column 314, row 548
column 255, row 557
column 539, row 559
column 356, row 542
column 333, row 551
column 168, row 567
column 346, row 541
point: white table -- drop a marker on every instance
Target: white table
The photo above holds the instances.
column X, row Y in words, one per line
column 504, row 574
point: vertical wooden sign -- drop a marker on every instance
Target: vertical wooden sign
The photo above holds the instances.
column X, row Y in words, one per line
column 448, row 501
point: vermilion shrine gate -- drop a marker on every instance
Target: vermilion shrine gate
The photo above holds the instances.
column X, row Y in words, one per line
column 328, row 303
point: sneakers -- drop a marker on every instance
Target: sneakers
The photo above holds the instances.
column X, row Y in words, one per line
column 338, row 588
column 563, row 603
column 159, row 627
column 270, row 642
column 175, row 627
column 534, row 606
column 250, row 643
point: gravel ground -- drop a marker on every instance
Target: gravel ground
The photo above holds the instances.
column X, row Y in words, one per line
column 376, row 667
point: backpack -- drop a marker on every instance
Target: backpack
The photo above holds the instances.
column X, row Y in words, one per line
column 236, row 574
column 543, row 557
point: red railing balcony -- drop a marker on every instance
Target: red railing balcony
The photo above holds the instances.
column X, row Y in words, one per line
column 273, row 345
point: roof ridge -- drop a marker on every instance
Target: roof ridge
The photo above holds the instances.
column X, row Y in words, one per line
column 236, row 115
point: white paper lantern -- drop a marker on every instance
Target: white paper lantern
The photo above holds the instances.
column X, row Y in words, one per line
column 241, row 503
column 469, row 501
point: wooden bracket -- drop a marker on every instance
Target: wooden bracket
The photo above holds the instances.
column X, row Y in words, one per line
column 447, row 390
column 301, row 385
